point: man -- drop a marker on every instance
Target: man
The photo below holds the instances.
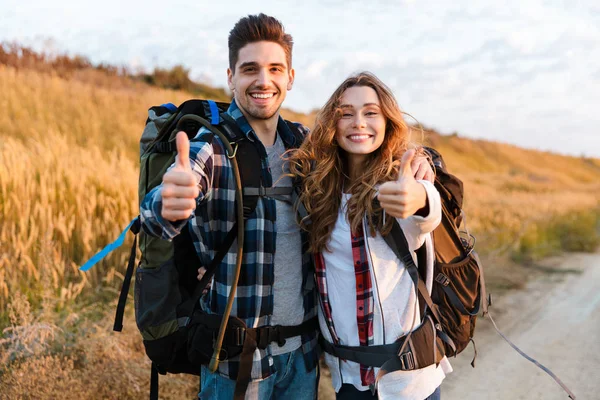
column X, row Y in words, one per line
column 275, row 287
column 276, row 284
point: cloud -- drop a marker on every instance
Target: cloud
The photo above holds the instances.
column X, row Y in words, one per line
column 522, row 72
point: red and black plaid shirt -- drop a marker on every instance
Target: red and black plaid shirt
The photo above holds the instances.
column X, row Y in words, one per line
column 364, row 299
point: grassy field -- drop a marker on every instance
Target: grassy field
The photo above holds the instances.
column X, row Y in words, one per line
column 68, row 185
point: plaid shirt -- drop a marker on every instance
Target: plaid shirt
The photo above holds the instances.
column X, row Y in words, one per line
column 213, row 218
column 364, row 299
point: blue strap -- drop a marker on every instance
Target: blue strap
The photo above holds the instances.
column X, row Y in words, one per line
column 214, row 112
column 104, row 252
column 172, row 107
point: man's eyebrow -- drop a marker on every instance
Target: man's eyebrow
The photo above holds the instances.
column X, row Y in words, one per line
column 248, row 64
column 255, row 64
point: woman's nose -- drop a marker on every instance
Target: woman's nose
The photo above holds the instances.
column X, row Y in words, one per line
column 359, row 121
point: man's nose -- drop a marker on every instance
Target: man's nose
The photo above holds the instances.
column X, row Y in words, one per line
column 262, row 79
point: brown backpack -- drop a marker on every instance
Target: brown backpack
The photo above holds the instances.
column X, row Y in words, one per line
column 458, row 293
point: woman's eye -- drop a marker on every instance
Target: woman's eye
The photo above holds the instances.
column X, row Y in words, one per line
column 371, row 114
column 346, row 115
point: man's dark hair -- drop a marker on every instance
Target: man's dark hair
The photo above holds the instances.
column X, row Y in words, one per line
column 255, row 28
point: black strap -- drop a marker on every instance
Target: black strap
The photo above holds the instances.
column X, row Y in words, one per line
column 248, row 155
column 153, row 382
column 268, row 191
column 165, row 147
column 399, row 245
column 266, row 335
column 374, row 356
column 212, row 268
column 444, row 281
column 388, row 356
column 298, row 133
column 231, row 128
column 118, row 325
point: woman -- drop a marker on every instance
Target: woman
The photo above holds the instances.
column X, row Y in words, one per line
column 358, row 153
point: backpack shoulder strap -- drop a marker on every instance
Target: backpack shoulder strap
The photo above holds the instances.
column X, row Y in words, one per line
column 399, row 245
column 248, row 157
column 299, row 131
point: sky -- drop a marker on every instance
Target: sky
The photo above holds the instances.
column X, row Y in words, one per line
column 523, row 72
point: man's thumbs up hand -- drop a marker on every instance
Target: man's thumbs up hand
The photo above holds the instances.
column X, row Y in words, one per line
column 180, row 188
column 406, row 196
column 183, row 151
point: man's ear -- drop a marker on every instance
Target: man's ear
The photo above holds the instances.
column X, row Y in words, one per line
column 230, row 79
column 292, row 74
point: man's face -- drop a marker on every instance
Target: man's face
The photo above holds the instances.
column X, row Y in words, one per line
column 261, row 80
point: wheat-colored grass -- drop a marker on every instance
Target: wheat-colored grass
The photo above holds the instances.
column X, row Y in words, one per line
column 68, row 185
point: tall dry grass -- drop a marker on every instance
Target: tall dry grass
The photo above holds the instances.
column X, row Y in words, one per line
column 68, row 185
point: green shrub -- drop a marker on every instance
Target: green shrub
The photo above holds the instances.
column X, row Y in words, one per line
column 577, row 231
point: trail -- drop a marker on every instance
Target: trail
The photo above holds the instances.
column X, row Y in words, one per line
column 555, row 320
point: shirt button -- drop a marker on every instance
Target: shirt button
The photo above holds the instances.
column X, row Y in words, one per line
column 270, row 361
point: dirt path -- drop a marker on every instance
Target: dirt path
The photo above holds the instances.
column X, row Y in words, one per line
column 555, row 320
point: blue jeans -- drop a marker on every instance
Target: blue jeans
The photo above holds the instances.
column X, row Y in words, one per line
column 290, row 381
column 349, row 392
column 435, row 395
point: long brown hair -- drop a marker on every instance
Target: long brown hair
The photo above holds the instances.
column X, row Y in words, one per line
column 321, row 165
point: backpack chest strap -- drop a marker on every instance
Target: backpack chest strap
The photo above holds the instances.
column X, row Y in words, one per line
column 422, row 350
column 281, row 193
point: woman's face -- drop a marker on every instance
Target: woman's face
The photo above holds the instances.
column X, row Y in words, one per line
column 361, row 129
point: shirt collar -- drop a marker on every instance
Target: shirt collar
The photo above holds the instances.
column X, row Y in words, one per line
column 283, row 130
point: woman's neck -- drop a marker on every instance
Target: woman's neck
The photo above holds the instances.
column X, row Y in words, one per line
column 354, row 169
column 355, row 164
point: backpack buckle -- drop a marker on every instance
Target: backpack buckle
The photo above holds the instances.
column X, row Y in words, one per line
column 442, row 279
column 239, row 336
column 407, row 360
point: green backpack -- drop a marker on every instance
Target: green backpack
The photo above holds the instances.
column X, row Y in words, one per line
column 177, row 336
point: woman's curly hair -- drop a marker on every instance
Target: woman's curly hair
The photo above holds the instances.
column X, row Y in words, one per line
column 320, row 164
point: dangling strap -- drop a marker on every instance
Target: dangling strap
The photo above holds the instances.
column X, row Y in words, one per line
column 245, row 367
column 153, row 382
column 118, row 326
column 543, row 368
column 135, row 228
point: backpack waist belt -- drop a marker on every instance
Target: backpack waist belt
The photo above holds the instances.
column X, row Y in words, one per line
column 423, row 349
column 260, row 338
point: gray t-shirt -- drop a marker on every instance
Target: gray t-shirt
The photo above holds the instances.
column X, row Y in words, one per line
column 288, row 308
